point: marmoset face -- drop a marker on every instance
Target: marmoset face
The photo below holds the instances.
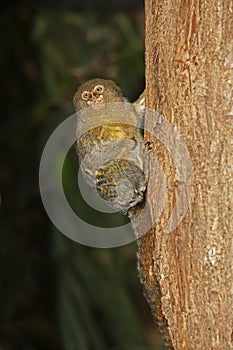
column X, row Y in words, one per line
column 96, row 92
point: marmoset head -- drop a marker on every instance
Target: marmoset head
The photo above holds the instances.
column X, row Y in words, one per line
column 96, row 92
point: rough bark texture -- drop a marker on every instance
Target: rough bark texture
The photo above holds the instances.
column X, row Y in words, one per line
column 189, row 80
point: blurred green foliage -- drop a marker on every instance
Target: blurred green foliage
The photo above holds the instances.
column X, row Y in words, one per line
column 55, row 293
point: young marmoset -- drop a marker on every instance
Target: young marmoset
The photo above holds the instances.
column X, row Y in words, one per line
column 110, row 144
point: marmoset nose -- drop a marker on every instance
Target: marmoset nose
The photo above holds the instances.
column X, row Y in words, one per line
column 93, row 96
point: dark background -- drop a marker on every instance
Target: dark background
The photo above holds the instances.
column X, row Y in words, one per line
column 55, row 293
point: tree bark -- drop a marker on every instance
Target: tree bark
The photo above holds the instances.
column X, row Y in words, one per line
column 188, row 273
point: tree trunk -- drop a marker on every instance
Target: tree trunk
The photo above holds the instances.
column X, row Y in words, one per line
column 188, row 273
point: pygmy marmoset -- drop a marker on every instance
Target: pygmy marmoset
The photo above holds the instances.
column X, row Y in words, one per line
column 112, row 157
column 110, row 144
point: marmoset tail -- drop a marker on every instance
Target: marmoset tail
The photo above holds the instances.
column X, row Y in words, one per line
column 110, row 144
